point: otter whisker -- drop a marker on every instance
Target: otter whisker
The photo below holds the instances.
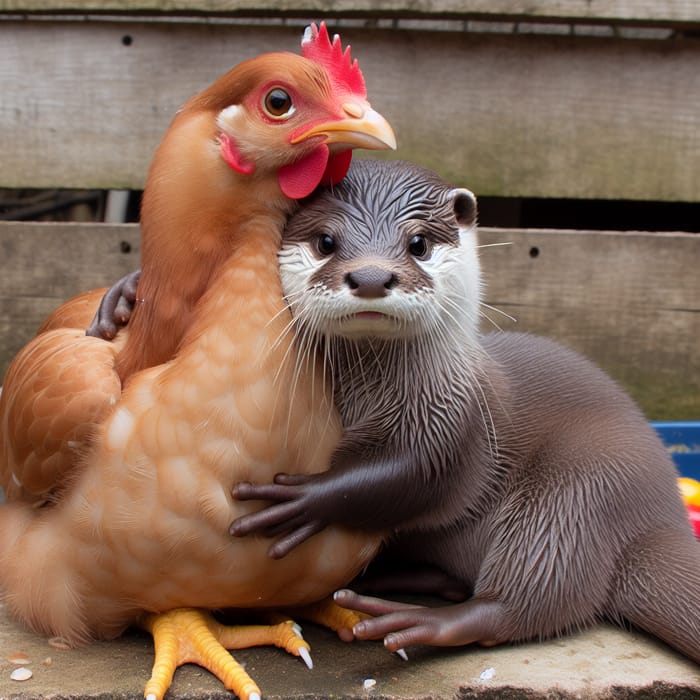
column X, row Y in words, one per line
column 281, row 312
column 499, row 311
column 283, row 334
column 493, row 245
column 486, row 317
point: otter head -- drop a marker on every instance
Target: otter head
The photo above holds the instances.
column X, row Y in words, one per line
column 388, row 253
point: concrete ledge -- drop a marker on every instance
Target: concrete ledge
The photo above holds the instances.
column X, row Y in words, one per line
column 600, row 663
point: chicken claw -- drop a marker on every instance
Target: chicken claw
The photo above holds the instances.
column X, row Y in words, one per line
column 187, row 635
column 331, row 615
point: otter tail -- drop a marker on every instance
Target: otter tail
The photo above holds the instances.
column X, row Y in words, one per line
column 658, row 590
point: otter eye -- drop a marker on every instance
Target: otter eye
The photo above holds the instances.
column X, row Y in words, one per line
column 418, row 247
column 325, row 244
column 278, row 104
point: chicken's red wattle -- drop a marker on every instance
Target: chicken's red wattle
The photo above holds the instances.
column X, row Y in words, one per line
column 320, row 167
column 298, row 180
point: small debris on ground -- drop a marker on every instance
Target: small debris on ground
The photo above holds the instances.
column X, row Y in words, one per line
column 19, row 659
column 487, row 674
column 369, row 683
column 58, row 643
column 21, row 674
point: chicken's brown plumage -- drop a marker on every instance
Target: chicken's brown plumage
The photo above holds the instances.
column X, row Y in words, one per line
column 191, row 224
column 119, row 499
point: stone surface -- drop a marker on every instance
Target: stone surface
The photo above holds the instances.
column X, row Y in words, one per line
column 601, row 663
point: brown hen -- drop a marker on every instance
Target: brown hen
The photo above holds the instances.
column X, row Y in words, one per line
column 118, row 458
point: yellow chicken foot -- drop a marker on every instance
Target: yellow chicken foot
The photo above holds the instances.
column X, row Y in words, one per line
column 188, row 635
column 329, row 614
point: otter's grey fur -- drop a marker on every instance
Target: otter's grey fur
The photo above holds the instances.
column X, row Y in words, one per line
column 511, row 463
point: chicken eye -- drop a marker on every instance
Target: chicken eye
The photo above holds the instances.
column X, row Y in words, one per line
column 325, row 244
column 419, row 247
column 278, row 104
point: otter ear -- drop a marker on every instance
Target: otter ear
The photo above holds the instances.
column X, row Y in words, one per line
column 464, row 206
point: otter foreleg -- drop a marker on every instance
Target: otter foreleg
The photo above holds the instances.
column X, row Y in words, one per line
column 357, row 493
column 116, row 307
column 401, row 624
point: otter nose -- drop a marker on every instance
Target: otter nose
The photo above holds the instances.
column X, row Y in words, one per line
column 371, row 282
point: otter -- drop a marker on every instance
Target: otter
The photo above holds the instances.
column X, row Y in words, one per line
column 509, row 462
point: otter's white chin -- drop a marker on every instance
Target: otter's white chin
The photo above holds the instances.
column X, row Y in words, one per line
column 368, row 324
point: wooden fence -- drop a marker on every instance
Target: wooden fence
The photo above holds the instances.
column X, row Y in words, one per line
column 580, row 99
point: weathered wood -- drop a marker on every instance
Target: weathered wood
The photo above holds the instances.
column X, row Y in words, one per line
column 629, row 301
column 88, row 103
column 43, row 264
column 671, row 12
column 531, row 116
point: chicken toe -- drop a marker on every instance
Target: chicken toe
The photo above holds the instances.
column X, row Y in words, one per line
column 189, row 635
column 329, row 614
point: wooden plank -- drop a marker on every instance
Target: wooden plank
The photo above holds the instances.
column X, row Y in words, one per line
column 629, row 301
column 530, row 116
column 43, row 264
column 670, row 12
column 87, row 103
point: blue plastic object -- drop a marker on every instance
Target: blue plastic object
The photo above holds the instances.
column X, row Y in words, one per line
column 683, row 442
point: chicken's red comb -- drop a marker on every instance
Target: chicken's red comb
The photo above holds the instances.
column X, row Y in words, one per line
column 316, row 46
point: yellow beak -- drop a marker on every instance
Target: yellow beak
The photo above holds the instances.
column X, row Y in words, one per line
column 362, row 127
